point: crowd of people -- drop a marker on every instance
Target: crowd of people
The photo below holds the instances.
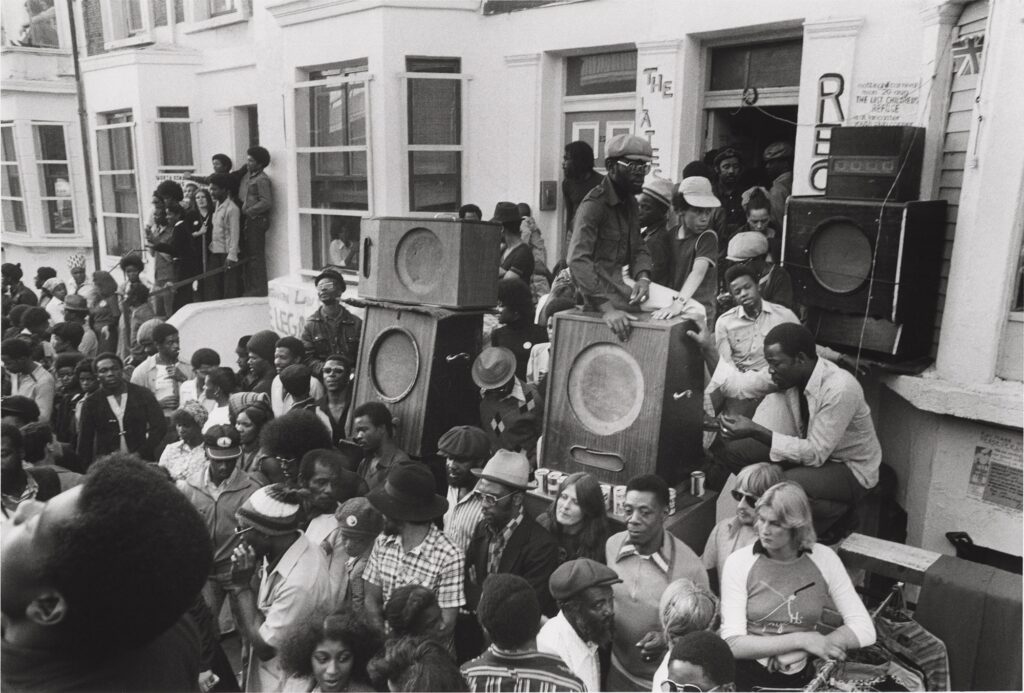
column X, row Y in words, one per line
column 154, row 504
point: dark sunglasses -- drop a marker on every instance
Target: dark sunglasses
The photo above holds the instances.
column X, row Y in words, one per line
column 751, row 499
column 670, row 686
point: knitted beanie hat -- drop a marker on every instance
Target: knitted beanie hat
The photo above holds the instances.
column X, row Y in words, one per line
column 272, row 510
column 262, row 344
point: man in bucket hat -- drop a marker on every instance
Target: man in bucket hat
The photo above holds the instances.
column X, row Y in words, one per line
column 511, row 411
column 508, row 540
column 412, row 550
column 606, row 236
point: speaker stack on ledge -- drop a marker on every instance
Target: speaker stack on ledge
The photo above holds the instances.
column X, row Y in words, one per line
column 619, row 409
column 426, row 284
column 866, row 258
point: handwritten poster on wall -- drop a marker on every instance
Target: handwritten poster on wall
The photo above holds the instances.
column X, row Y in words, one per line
column 885, row 102
column 996, row 471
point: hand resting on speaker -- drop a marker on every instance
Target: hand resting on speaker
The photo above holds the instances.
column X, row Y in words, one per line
column 618, row 321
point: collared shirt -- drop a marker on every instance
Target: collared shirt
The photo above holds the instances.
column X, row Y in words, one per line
column 558, row 637
column 181, row 461
column 462, row 517
column 190, row 390
column 282, row 402
column 838, row 426
column 498, row 540
column 216, row 489
column 38, row 385
column 157, row 378
column 225, row 225
column 741, row 337
column 323, row 532
column 292, row 592
column 374, row 470
column 606, row 236
column 256, row 194
column 436, row 563
column 726, row 537
column 498, row 670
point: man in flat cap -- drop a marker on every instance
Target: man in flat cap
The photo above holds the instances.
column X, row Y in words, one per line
column 606, row 236
column 751, row 248
column 778, row 163
column 332, row 329
column 654, row 205
column 464, row 448
column 583, row 590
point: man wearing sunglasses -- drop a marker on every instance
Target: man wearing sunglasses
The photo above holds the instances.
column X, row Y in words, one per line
column 606, row 236
column 700, row 661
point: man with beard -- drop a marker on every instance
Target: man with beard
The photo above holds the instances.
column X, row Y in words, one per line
column 650, row 558
column 326, row 483
column 295, row 585
column 332, row 329
column 465, row 448
column 694, row 250
column 728, row 218
column 163, row 372
column 586, row 621
column 606, row 236
column 119, row 416
column 412, row 550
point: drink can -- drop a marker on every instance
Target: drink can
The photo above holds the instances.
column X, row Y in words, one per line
column 541, row 477
column 671, row 501
column 606, row 493
column 697, row 484
column 619, row 500
column 554, row 478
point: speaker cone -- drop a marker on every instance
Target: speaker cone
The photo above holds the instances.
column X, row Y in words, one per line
column 394, row 364
column 418, row 257
column 606, row 388
column 840, row 256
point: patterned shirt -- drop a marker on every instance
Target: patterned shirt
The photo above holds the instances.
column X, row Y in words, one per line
column 498, row 670
column 463, row 515
column 496, row 546
column 436, row 563
column 181, row 461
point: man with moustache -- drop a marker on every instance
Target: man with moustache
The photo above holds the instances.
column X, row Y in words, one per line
column 586, row 620
column 606, row 236
column 465, row 448
column 119, row 417
column 728, row 218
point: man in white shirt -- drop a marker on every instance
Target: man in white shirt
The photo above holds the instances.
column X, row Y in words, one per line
column 815, row 422
column 586, row 617
column 28, row 378
column 163, row 372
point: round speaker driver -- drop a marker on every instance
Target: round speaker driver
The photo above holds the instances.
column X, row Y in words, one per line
column 394, row 364
column 419, row 261
column 606, row 388
column 840, row 256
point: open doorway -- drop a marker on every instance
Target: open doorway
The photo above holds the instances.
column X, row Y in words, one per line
column 749, row 130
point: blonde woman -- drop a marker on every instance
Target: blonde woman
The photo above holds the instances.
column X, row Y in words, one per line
column 774, row 592
column 685, row 607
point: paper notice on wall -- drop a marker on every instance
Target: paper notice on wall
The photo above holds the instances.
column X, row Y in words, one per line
column 885, row 102
column 996, row 471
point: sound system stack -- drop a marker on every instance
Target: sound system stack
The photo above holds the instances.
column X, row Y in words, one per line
column 866, row 258
column 426, row 284
column 618, row 409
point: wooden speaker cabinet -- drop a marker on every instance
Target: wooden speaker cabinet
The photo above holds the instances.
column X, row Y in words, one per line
column 417, row 361
column 875, row 163
column 619, row 409
column 430, row 261
column 868, row 272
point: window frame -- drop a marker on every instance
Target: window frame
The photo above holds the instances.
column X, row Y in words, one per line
column 103, row 214
column 306, row 213
column 409, row 148
column 173, row 169
column 21, row 180
column 198, row 16
column 42, row 197
column 113, row 40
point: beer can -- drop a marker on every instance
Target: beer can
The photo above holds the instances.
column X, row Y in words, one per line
column 541, row 477
column 619, row 500
column 697, row 484
column 671, row 501
column 554, row 478
column 606, row 493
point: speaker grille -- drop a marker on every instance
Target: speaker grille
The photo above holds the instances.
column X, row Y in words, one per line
column 419, row 260
column 394, row 364
column 606, row 388
column 840, row 256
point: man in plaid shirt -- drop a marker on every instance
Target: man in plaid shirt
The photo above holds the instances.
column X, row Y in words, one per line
column 412, row 550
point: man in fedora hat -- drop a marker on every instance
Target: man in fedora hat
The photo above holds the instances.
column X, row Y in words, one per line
column 508, row 540
column 516, row 258
column 606, row 235
column 694, row 249
column 511, row 411
column 412, row 550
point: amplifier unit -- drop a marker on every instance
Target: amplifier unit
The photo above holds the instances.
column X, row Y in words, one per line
column 873, row 163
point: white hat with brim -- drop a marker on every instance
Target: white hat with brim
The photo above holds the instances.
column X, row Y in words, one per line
column 507, row 468
column 697, row 192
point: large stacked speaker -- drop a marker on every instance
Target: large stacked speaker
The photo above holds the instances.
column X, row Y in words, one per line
column 618, row 409
column 426, row 284
column 866, row 258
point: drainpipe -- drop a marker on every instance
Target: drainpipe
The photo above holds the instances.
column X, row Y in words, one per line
column 83, row 122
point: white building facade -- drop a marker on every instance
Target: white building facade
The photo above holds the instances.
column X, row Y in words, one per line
column 396, row 107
